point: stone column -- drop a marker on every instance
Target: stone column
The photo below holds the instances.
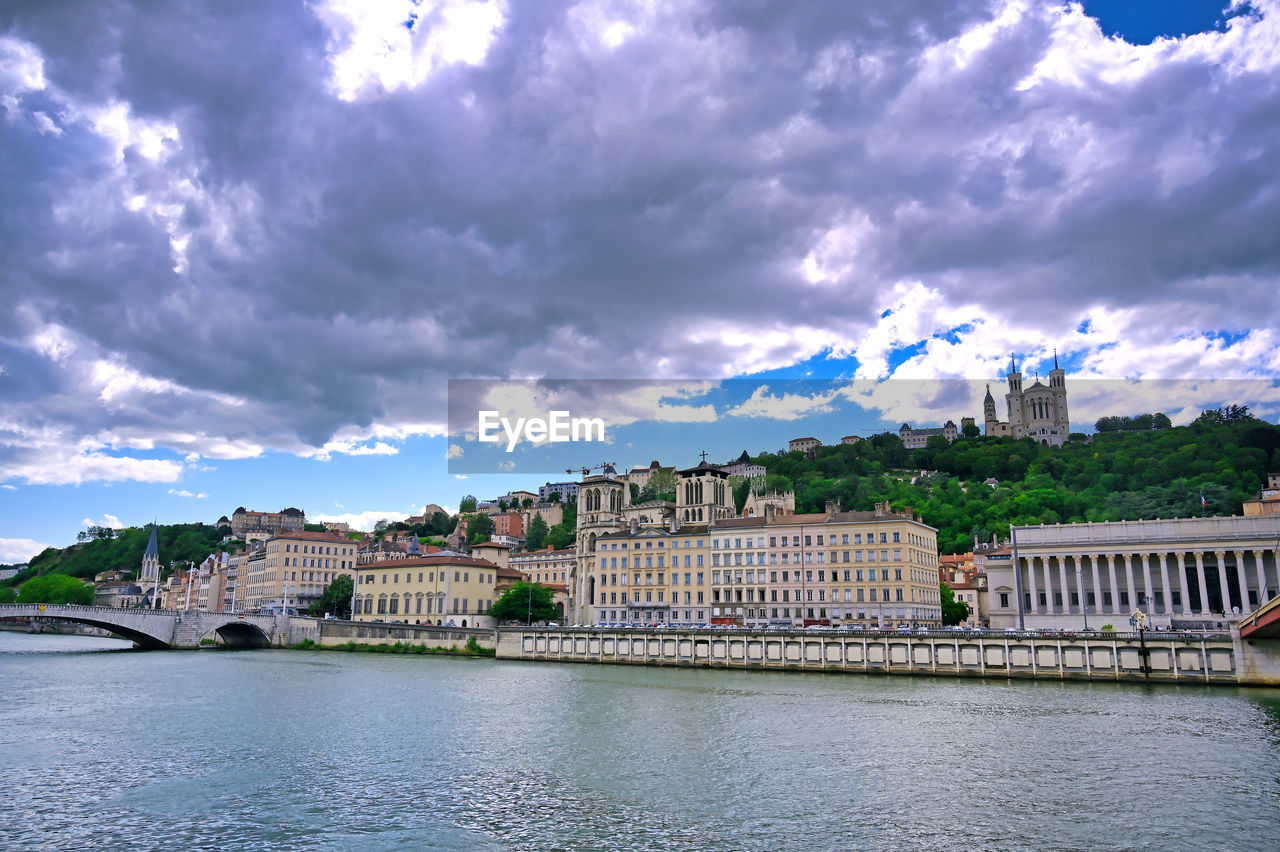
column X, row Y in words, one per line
column 1080, row 591
column 1164, row 579
column 1221, row 556
column 1066, row 589
column 1147, row 590
column 1260, row 567
column 1128, row 575
column 1097, row 586
column 1244, row 583
column 1115, row 583
column 1204, row 587
column 1031, row 585
column 1182, row 583
column 1048, row 584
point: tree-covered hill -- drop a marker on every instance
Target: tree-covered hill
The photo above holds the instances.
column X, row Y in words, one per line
column 108, row 550
column 1116, row 475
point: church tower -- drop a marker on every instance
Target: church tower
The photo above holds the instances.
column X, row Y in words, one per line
column 989, row 412
column 1058, row 387
column 1013, row 399
column 703, row 495
column 150, row 561
column 601, row 499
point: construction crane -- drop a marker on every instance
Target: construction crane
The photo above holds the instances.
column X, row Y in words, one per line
column 586, row 471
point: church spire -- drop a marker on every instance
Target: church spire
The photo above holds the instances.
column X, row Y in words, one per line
column 1055, row 358
column 153, row 548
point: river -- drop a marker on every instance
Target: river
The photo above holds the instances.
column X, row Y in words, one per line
column 108, row 748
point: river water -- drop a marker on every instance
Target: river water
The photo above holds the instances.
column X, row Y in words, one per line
column 111, row 749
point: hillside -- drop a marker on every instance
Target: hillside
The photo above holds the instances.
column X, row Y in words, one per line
column 123, row 551
column 1119, row 475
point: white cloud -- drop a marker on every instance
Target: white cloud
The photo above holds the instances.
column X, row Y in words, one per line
column 185, row 493
column 364, row 521
column 8, row 487
column 18, row 550
column 454, row 452
column 392, row 45
column 108, row 520
column 787, row 406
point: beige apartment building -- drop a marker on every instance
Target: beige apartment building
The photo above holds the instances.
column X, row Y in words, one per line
column 546, row 566
column 294, row 569
column 444, row 589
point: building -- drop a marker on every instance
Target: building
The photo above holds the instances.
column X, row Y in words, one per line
column 1268, row 499
column 566, row 490
column 444, row 588
column 294, row 570
column 915, row 439
column 964, row 575
column 759, row 504
column 123, row 594
column 546, row 566
column 743, row 466
column 1187, row 572
column 640, row 476
column 286, row 520
column 700, row 564
column 551, row 514
column 808, row 446
column 850, row 439
column 508, row 524
column 1038, row 412
column 149, row 573
column 337, row 526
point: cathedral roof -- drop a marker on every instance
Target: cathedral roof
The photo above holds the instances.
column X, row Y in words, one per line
column 153, row 548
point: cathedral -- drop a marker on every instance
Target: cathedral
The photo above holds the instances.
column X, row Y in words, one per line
column 1038, row 412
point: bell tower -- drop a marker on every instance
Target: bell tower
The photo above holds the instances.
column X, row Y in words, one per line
column 703, row 494
column 601, row 499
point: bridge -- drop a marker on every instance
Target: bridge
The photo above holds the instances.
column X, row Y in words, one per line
column 163, row 629
column 1263, row 622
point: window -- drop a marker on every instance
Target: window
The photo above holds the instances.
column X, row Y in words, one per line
column 1004, row 600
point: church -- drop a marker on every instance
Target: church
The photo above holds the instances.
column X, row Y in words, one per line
column 1039, row 412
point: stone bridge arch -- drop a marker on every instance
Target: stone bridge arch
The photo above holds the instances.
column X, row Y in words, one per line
column 241, row 634
column 148, row 629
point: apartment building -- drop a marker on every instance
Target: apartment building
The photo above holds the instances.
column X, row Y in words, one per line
column 546, row 566
column 444, row 589
column 293, row 570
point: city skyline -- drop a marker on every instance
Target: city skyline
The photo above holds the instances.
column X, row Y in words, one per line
column 247, row 251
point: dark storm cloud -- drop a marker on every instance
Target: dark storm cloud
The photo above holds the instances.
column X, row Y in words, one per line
column 570, row 209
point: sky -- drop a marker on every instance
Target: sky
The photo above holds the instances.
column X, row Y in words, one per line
column 247, row 246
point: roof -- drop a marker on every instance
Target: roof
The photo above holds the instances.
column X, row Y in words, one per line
column 491, row 544
column 301, row 535
column 510, row 573
column 442, row 558
column 704, row 467
column 153, row 549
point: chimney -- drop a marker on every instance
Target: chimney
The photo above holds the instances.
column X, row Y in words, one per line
column 882, row 509
column 832, row 507
column 674, row 525
column 635, row 526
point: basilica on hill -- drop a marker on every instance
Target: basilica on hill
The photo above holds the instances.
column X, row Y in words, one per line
column 1038, row 412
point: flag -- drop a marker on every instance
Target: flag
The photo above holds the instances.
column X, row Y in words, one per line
column 1203, row 502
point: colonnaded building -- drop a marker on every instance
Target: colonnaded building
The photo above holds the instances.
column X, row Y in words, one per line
column 693, row 561
column 1184, row 573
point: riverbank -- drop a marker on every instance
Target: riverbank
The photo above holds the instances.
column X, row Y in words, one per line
column 471, row 649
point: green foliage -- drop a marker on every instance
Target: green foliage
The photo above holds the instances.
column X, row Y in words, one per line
column 525, row 602
column 953, row 611
column 56, row 589
column 123, row 551
column 971, row 430
column 1118, row 475
column 741, row 491
column 313, row 528
column 536, row 534
column 336, row 600
column 479, row 529
column 1135, row 423
column 468, row 504
column 8, row 595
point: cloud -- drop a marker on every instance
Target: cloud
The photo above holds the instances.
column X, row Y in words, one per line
column 186, row 493
column 108, row 520
column 665, row 191
column 364, row 521
column 15, row 551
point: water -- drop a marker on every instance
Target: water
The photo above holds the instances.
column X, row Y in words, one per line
column 112, row 749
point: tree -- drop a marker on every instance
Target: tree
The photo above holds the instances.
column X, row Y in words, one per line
column 537, row 533
column 56, row 589
column 553, row 497
column 480, row 529
column 953, row 611
column 336, row 600
column 314, row 528
column 380, row 527
column 524, row 602
column 971, row 430
column 8, row 595
column 468, row 504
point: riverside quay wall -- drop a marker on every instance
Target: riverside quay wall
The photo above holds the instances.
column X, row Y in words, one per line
column 1162, row 657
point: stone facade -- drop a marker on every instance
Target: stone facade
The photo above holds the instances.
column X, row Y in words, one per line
column 1038, row 412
